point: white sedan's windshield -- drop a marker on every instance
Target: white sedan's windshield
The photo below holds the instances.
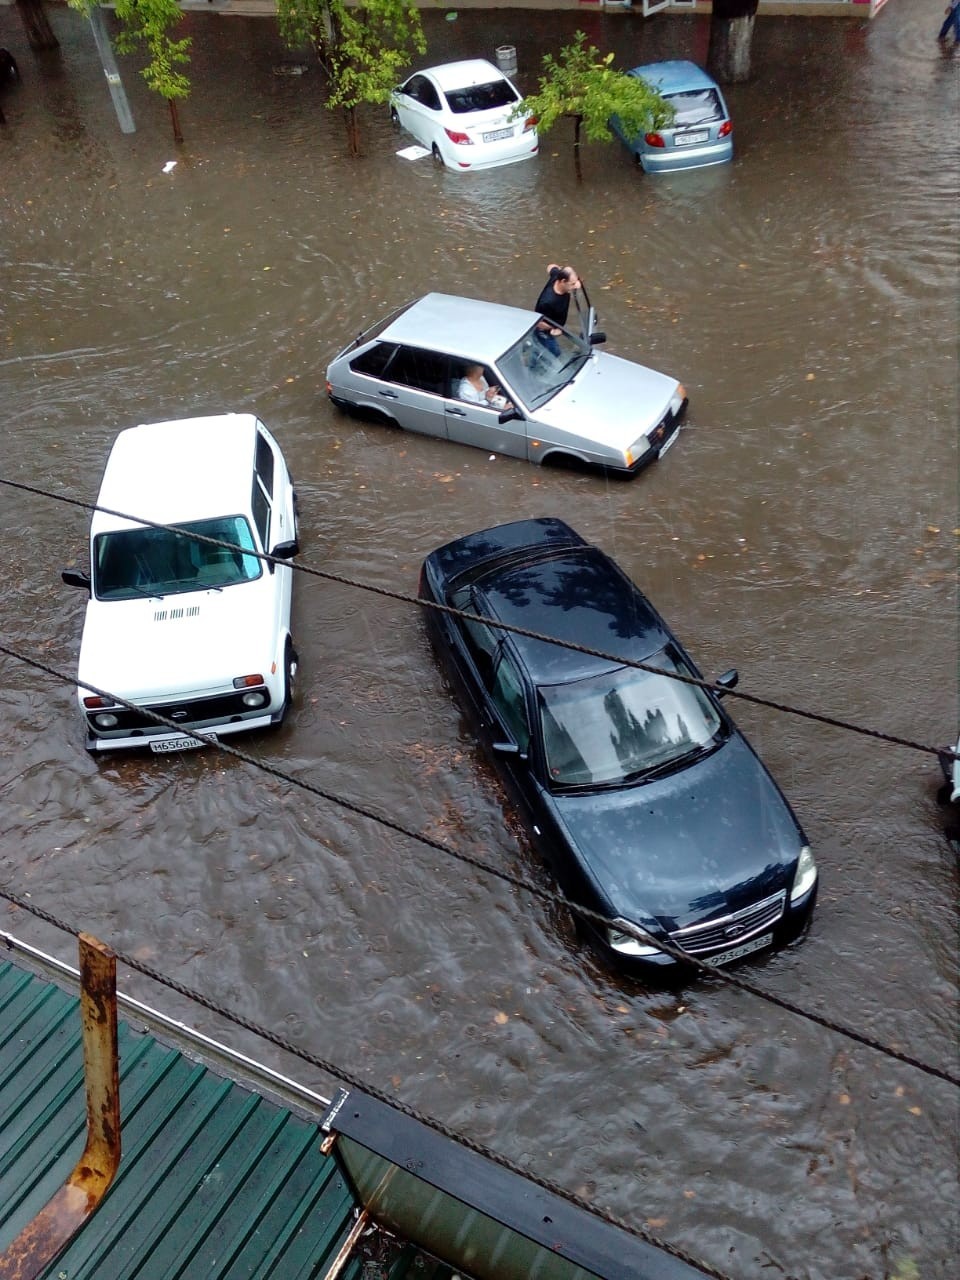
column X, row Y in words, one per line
column 541, row 363
column 159, row 562
column 616, row 727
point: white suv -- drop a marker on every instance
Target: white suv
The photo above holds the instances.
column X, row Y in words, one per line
column 183, row 622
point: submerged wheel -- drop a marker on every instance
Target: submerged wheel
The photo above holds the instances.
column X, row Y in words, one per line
column 437, row 157
column 394, row 118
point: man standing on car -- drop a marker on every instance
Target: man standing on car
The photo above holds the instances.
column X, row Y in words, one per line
column 554, row 305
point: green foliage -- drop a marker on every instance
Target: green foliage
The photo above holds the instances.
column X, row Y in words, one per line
column 145, row 23
column 362, row 49
column 581, row 83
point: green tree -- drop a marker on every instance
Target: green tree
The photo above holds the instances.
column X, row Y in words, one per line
column 582, row 83
column 145, row 24
column 362, row 49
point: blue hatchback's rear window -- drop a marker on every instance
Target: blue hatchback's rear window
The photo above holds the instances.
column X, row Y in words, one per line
column 697, row 106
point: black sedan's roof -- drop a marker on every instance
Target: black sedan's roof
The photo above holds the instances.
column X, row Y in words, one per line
column 577, row 594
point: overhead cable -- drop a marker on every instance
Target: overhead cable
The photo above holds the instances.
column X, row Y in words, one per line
column 943, row 753
column 546, row 895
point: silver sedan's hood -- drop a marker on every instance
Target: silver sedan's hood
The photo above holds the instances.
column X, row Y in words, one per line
column 612, row 401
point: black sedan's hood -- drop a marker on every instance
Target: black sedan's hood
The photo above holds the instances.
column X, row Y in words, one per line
column 711, row 838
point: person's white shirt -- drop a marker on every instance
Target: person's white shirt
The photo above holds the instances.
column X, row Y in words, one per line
column 468, row 390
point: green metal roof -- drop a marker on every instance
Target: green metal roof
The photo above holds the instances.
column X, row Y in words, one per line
column 214, row 1180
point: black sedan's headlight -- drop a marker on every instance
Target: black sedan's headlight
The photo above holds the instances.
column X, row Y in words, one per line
column 805, row 876
column 625, row 944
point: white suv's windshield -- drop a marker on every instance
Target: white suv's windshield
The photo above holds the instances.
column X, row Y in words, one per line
column 623, row 724
column 158, row 562
column 542, row 363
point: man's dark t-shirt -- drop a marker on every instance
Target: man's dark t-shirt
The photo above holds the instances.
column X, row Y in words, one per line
column 554, row 306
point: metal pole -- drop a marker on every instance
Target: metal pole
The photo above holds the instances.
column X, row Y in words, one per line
column 105, row 49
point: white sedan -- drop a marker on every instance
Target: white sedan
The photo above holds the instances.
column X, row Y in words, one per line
column 463, row 112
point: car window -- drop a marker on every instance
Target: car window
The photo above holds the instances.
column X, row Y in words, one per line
column 507, row 694
column 424, row 370
column 540, row 364
column 143, row 562
column 261, row 512
column 481, row 640
column 481, row 97
column 698, row 106
column 264, row 462
column 374, row 361
column 421, row 90
column 615, row 727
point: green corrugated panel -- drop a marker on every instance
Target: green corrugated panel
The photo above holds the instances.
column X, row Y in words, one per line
column 215, row 1182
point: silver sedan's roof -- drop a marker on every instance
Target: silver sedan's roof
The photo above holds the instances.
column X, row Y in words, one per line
column 460, row 326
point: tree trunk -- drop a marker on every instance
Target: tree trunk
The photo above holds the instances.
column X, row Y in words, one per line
column 731, row 35
column 175, row 120
column 353, row 131
column 576, row 147
column 37, row 25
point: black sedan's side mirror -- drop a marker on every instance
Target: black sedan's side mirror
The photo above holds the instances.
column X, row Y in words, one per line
column 729, row 680
column 508, row 415
column 76, row 578
column 597, row 338
column 508, row 749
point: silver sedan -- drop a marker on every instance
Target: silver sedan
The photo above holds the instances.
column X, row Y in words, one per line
column 495, row 377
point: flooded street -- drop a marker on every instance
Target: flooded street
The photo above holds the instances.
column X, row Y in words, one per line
column 803, row 529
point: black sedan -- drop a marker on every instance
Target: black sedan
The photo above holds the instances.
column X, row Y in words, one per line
column 648, row 802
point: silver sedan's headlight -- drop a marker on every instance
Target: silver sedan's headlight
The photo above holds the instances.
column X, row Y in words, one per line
column 806, row 874
column 625, row 943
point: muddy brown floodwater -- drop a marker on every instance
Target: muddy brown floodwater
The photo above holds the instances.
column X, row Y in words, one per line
column 803, row 529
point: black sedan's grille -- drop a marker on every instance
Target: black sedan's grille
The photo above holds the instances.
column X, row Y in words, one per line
column 730, row 930
column 221, row 707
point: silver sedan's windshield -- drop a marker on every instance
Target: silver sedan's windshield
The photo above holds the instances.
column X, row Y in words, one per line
column 541, row 363
column 616, row 727
column 159, row 562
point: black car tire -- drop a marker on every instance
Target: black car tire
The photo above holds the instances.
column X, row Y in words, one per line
column 437, row 157
column 291, row 663
column 296, row 523
column 395, row 119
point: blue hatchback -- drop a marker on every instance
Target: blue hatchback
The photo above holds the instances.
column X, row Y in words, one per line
column 702, row 131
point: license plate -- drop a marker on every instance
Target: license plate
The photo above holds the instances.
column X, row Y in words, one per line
column 668, row 442
column 690, row 139
column 177, row 744
column 727, row 957
column 497, row 135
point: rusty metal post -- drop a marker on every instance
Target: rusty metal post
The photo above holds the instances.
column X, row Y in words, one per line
column 51, row 1230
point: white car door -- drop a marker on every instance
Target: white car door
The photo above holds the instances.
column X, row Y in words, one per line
column 419, row 110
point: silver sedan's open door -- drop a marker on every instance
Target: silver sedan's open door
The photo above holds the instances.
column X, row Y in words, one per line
column 586, row 314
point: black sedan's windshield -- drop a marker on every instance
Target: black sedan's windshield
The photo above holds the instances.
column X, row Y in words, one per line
column 541, row 363
column 616, row 727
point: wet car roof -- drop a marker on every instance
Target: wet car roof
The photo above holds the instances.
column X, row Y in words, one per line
column 184, row 469
column 460, row 75
column 577, row 595
column 460, row 326
column 677, row 76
